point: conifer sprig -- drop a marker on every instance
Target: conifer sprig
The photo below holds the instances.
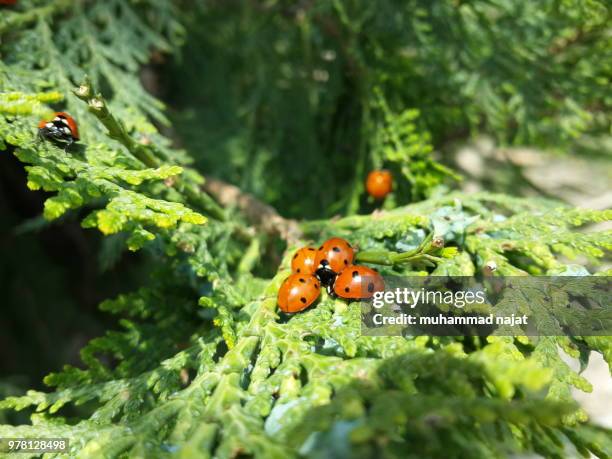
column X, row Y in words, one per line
column 145, row 152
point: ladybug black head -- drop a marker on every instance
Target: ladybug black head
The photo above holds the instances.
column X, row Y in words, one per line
column 325, row 275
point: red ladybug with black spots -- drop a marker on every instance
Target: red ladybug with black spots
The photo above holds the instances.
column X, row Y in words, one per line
column 357, row 282
column 303, row 261
column 62, row 128
column 298, row 292
column 333, row 256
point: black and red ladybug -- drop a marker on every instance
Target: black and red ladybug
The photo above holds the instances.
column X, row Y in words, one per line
column 332, row 257
column 379, row 183
column 61, row 128
column 303, row 261
column 356, row 282
column 298, row 292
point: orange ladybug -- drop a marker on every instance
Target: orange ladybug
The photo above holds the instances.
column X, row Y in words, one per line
column 298, row 292
column 357, row 282
column 61, row 128
column 303, row 261
column 379, row 183
column 332, row 257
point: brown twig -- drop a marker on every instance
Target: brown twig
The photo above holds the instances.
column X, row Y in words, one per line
column 258, row 213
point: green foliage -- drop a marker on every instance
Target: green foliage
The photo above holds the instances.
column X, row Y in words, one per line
column 312, row 380
column 203, row 365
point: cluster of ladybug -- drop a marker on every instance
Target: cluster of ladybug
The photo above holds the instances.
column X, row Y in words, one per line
column 62, row 128
column 330, row 266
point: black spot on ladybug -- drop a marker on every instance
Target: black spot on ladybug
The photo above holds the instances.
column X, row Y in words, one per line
column 299, row 270
column 346, row 262
column 355, row 273
column 371, row 287
column 295, row 256
column 303, row 300
column 346, row 289
column 336, row 249
column 321, row 248
column 302, row 280
column 324, row 262
column 317, row 286
column 350, row 246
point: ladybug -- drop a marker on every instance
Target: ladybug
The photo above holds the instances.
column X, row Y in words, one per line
column 332, row 257
column 357, row 282
column 304, row 261
column 62, row 128
column 298, row 292
column 379, row 183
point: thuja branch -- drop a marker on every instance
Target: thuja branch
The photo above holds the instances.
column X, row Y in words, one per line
column 116, row 131
column 146, row 154
column 430, row 251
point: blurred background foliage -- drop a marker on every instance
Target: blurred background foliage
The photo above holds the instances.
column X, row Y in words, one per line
column 283, row 97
